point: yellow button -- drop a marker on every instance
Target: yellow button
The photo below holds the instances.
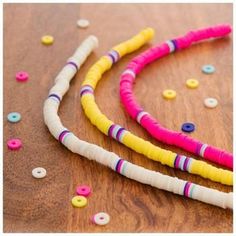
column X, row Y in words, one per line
column 47, row 39
column 169, row 94
column 192, row 83
column 79, row 201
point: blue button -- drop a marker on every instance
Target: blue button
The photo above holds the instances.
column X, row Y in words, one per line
column 188, row 127
column 208, row 69
column 14, row 117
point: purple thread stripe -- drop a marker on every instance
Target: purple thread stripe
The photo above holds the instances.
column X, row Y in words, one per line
column 62, row 137
column 117, row 164
column 85, row 91
column 175, row 43
column 111, row 129
column 62, row 134
column 112, row 58
column 73, row 64
column 118, row 56
column 185, row 186
column 186, row 163
column 119, row 133
column 177, row 159
column 55, row 96
column 86, row 88
column 114, row 55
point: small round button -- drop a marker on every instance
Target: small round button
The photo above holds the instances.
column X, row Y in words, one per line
column 208, row 69
column 188, row 127
column 14, row 144
column 79, row 201
column 192, row 83
column 83, row 23
column 22, row 76
column 39, row 172
column 83, row 190
column 14, row 117
column 101, row 218
column 47, row 39
column 210, row 102
column 169, row 94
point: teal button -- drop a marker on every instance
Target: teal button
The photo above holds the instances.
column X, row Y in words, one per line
column 14, row 117
column 208, row 69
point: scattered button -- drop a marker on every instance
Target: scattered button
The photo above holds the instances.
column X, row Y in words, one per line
column 192, row 83
column 39, row 172
column 79, row 201
column 22, row 76
column 83, row 190
column 14, row 144
column 208, row 69
column 101, row 218
column 188, row 127
column 47, row 40
column 83, row 23
column 210, row 102
column 14, row 117
column 169, row 94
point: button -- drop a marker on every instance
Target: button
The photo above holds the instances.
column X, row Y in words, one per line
column 14, row 117
column 192, row 83
column 47, row 39
column 22, row 76
column 39, row 172
column 14, row 144
column 83, row 190
column 208, row 69
column 169, row 94
column 210, row 102
column 79, row 201
column 188, row 127
column 101, row 218
column 83, row 23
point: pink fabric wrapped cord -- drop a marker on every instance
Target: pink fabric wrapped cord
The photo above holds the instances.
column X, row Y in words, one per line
column 150, row 123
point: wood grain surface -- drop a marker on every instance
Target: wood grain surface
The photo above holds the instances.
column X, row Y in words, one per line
column 32, row 205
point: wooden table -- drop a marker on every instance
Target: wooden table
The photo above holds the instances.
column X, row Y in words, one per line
column 32, row 205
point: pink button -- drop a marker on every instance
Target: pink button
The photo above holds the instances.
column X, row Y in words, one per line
column 22, row 76
column 14, row 144
column 83, row 190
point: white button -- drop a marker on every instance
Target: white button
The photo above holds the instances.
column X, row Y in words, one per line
column 39, row 172
column 101, row 218
column 210, row 102
column 83, row 23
